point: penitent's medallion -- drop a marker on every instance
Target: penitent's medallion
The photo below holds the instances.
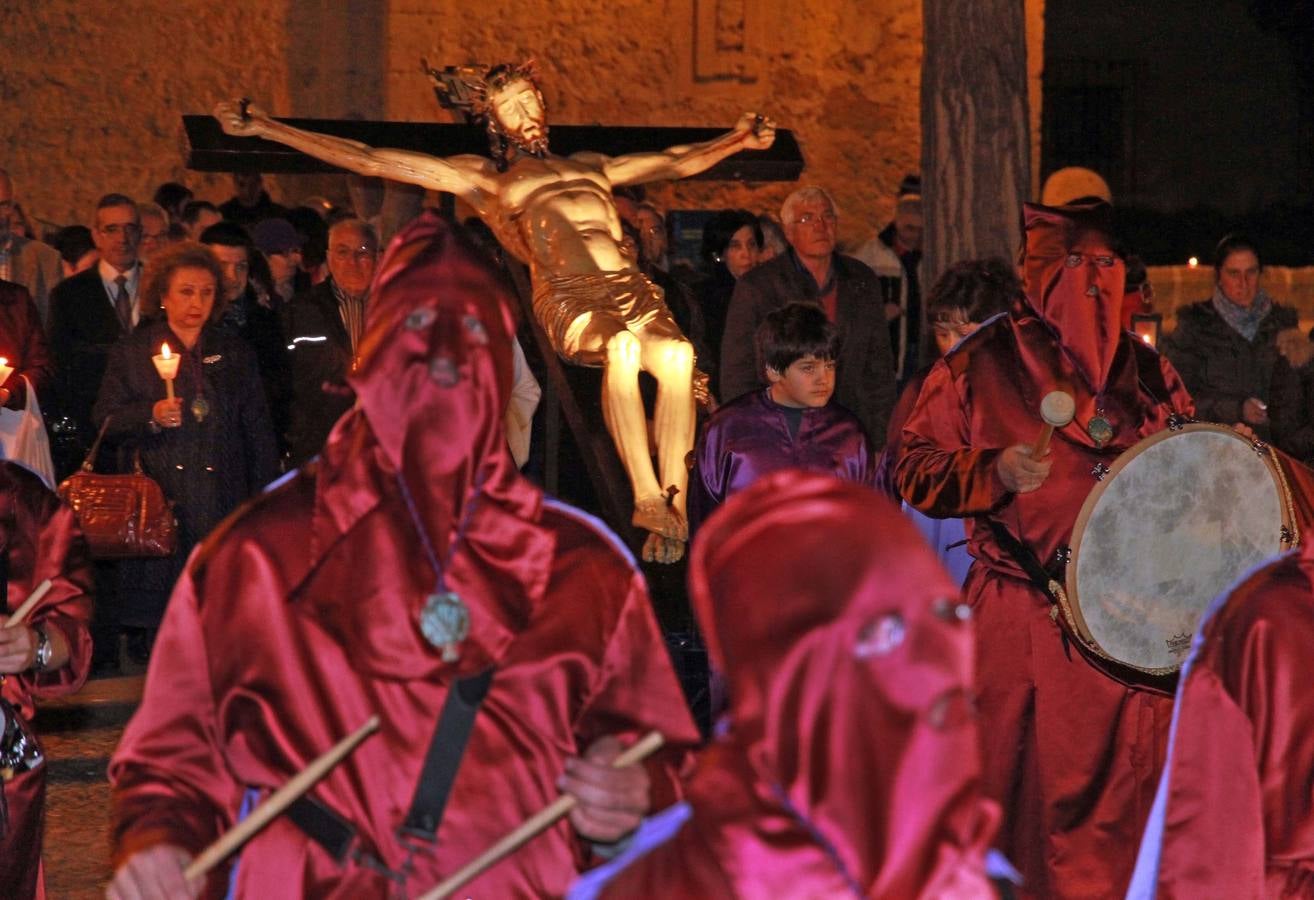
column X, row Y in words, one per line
column 1099, row 429
column 445, row 622
column 200, row 408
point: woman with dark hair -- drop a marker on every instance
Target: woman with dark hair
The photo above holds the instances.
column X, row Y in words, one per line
column 1233, row 352
column 732, row 242
column 210, row 447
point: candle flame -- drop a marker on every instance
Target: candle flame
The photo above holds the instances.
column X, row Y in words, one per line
column 1146, row 338
column 164, row 351
column 3, row 361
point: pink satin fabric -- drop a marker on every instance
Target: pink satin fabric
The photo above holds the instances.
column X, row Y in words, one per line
column 298, row 620
column 1072, row 755
column 850, row 764
column 1239, row 819
column 44, row 541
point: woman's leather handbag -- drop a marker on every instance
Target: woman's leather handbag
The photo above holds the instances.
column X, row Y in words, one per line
column 122, row 516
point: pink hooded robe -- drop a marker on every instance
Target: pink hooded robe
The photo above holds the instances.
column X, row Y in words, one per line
column 850, row 764
column 299, row 619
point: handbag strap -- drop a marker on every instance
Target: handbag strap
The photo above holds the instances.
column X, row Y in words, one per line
column 90, row 462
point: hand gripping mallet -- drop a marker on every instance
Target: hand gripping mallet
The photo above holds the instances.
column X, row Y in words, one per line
column 1057, row 410
column 538, row 823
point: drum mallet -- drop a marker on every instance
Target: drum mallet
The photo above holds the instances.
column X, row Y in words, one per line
column 20, row 614
column 538, row 822
column 278, row 801
column 1057, row 410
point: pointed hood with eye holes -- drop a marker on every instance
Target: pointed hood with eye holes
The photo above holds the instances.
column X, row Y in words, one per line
column 1082, row 303
column 432, row 384
column 849, row 662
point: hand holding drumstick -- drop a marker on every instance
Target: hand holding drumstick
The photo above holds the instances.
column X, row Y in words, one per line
column 1023, row 468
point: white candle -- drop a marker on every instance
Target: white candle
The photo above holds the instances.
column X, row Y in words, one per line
column 166, row 363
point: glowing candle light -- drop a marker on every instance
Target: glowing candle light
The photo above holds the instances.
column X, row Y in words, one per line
column 1193, row 261
column 5, row 370
column 166, row 363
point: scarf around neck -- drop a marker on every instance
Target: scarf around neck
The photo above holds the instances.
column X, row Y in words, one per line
column 1243, row 319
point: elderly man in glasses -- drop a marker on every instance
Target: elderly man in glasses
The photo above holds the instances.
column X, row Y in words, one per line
column 323, row 328
column 812, row 272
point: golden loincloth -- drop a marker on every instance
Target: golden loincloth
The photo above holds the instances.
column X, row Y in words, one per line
column 562, row 304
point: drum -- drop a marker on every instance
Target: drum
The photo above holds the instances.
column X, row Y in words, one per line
column 1178, row 518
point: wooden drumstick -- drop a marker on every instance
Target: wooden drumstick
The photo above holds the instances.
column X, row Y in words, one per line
column 1057, row 410
column 278, row 801
column 29, row 604
column 538, row 822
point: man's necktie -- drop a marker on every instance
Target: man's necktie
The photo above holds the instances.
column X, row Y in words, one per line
column 123, row 303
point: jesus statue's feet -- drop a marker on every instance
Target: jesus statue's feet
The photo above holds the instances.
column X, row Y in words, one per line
column 659, row 549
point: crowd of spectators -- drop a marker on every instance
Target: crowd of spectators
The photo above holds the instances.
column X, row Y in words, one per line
column 292, row 286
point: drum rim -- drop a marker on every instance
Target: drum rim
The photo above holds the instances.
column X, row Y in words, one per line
column 1069, row 601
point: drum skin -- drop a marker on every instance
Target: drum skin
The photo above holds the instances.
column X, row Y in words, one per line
column 1178, row 519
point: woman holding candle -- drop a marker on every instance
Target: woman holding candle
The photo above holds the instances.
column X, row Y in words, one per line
column 195, row 412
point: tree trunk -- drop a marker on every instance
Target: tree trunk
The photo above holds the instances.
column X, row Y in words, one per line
column 975, row 144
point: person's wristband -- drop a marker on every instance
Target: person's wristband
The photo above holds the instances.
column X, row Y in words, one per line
column 43, row 650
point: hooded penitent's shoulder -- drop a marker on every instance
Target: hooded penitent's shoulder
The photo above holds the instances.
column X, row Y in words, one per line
column 995, row 332
column 578, row 531
column 277, row 517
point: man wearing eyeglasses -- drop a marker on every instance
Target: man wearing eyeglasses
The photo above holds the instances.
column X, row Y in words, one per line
column 812, row 272
column 323, row 328
column 92, row 310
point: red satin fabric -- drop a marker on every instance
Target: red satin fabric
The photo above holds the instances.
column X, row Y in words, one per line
column 1072, row 755
column 44, row 541
column 298, row 620
column 875, row 748
column 1240, row 812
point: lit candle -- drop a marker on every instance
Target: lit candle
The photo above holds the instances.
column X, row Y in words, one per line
column 5, row 370
column 1193, row 261
column 166, row 363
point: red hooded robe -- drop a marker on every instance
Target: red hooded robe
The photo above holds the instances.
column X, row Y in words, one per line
column 1235, row 812
column 850, row 766
column 42, row 539
column 298, row 619
column 1071, row 754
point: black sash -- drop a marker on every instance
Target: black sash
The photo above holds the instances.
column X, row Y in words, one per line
column 335, row 834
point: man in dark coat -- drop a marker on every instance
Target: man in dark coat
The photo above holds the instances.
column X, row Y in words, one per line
column 846, row 289
column 89, row 312
column 323, row 328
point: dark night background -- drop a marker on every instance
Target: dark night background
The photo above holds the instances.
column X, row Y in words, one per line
column 1199, row 114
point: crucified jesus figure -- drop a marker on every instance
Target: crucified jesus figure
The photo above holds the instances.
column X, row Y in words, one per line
column 558, row 216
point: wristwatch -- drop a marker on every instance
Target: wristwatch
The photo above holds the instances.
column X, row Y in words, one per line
column 43, row 650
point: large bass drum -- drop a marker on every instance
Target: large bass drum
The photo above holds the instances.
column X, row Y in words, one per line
column 1175, row 521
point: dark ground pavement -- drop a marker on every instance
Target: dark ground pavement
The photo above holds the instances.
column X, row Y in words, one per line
column 78, row 734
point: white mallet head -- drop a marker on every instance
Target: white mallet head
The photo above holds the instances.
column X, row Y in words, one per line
column 1058, row 408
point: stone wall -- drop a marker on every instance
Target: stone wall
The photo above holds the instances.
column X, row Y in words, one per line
column 93, row 103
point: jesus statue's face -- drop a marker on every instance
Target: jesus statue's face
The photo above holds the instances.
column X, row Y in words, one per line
column 518, row 109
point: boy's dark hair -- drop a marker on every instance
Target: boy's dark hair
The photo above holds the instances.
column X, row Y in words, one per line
column 978, row 288
column 794, row 331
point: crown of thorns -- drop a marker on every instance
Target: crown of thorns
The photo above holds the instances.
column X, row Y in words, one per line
column 469, row 87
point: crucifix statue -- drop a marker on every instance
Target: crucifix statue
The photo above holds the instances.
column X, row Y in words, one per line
column 557, row 215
